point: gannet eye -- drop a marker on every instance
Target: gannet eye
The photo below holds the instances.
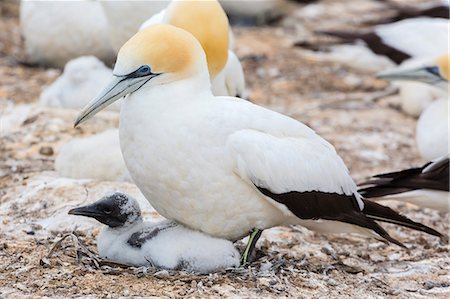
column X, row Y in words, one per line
column 434, row 70
column 144, row 70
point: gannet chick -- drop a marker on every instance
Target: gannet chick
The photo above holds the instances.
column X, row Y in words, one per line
column 94, row 157
column 426, row 186
column 82, row 79
column 399, row 41
column 58, row 31
column 223, row 165
column 207, row 21
column 166, row 244
column 432, row 131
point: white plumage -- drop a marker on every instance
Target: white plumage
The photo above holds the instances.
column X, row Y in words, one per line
column 81, row 80
column 175, row 247
column 208, row 145
column 58, row 31
column 230, row 81
column 164, row 244
column 433, row 130
column 93, row 157
column 417, row 37
column 125, row 18
column 218, row 164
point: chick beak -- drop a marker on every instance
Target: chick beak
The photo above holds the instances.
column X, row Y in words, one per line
column 89, row 211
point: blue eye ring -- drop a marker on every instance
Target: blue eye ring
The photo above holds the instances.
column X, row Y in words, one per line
column 433, row 70
column 144, row 70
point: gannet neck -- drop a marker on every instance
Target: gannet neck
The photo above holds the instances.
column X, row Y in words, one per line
column 207, row 21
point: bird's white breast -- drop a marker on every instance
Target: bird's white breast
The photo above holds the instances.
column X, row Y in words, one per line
column 432, row 133
column 176, row 154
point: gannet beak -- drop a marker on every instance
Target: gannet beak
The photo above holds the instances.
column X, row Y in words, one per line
column 102, row 211
column 428, row 75
column 88, row 211
column 118, row 87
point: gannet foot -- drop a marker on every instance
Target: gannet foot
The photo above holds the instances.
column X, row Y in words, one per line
column 253, row 238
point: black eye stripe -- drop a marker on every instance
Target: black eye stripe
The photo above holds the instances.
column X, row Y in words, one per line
column 434, row 70
column 143, row 71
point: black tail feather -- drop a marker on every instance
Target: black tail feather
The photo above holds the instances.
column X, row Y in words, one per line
column 381, row 213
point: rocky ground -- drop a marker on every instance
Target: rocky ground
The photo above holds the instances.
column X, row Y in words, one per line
column 44, row 252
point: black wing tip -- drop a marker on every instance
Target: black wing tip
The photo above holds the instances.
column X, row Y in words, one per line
column 382, row 213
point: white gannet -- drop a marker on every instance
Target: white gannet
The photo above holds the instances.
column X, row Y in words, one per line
column 432, row 131
column 82, row 79
column 45, row 26
column 165, row 244
column 426, row 186
column 416, row 37
column 222, row 165
column 99, row 154
column 207, row 21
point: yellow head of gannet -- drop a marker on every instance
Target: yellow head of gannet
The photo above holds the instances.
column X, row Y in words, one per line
column 436, row 73
column 159, row 54
column 208, row 23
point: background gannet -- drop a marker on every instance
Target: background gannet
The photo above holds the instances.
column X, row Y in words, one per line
column 207, row 21
column 165, row 244
column 222, row 165
column 416, row 96
column 432, row 131
column 45, row 26
column 426, row 186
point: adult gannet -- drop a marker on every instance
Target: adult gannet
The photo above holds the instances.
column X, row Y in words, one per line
column 222, row 165
column 165, row 244
column 426, row 186
column 432, row 131
column 207, row 21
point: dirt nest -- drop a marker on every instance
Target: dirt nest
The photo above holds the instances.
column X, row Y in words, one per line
column 43, row 252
